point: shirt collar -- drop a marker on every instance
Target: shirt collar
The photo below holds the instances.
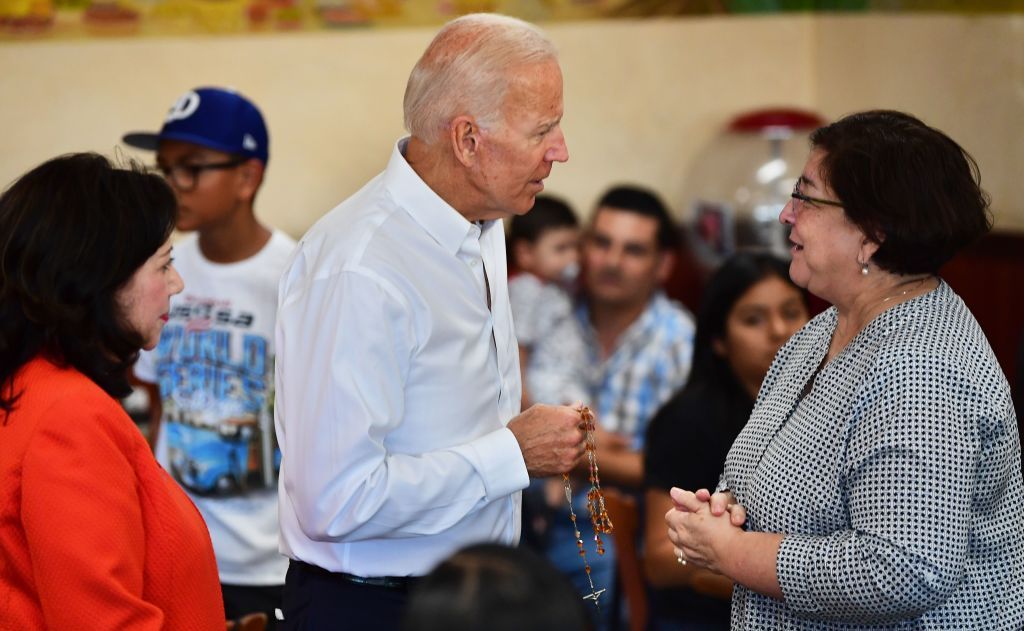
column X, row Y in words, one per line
column 442, row 222
column 647, row 321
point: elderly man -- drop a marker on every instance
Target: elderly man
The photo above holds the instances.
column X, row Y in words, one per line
column 398, row 378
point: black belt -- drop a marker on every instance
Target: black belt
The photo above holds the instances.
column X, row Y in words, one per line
column 402, row 583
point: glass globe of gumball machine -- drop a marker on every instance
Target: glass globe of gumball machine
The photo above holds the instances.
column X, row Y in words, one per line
column 739, row 183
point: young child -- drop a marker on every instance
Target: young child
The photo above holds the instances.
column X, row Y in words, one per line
column 543, row 246
column 214, row 364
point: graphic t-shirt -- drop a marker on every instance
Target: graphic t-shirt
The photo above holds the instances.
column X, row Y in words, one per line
column 214, row 366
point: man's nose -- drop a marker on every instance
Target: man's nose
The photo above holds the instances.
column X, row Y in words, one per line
column 558, row 152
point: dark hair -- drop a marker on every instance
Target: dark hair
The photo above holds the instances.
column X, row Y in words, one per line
column 730, row 281
column 647, row 203
column 490, row 587
column 547, row 213
column 73, row 231
column 907, row 186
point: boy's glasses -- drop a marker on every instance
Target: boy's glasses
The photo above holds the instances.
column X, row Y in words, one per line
column 184, row 177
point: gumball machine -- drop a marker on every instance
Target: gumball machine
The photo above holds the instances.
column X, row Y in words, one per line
column 739, row 183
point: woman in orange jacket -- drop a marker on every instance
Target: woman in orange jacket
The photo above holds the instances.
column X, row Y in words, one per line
column 93, row 533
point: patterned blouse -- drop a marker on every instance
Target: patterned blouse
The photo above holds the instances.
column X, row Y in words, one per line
column 896, row 478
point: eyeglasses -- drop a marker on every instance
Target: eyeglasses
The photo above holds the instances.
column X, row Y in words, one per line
column 800, row 197
column 184, row 177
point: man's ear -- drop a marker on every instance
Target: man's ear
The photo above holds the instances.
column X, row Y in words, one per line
column 666, row 265
column 251, row 177
column 464, row 135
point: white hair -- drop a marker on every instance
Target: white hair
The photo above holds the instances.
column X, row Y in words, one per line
column 466, row 70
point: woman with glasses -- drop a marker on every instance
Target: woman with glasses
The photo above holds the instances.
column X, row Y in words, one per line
column 877, row 483
column 93, row 533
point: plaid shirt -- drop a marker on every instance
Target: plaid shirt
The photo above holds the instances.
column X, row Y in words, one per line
column 650, row 362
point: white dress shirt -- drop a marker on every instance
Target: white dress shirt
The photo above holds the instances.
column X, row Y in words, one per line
column 395, row 383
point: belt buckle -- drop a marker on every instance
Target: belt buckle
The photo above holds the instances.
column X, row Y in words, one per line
column 388, row 582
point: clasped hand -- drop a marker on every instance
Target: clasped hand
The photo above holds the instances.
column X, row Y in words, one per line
column 550, row 437
column 701, row 526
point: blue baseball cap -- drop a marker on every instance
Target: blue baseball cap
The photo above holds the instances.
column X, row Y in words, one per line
column 211, row 117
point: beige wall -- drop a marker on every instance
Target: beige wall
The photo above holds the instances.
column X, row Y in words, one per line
column 963, row 75
column 643, row 98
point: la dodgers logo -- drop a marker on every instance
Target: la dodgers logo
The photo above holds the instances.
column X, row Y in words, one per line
column 183, row 107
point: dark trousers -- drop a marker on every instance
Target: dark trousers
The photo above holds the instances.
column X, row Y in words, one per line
column 240, row 600
column 315, row 600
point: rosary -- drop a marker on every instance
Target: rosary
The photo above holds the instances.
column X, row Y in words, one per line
column 595, row 503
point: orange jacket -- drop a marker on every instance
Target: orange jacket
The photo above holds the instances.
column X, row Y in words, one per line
column 93, row 533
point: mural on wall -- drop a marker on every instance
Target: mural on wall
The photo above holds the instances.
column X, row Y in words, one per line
column 43, row 19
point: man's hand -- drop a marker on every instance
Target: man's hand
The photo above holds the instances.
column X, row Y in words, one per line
column 550, row 438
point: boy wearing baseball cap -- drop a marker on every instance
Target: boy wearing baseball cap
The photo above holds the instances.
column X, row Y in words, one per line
column 214, row 365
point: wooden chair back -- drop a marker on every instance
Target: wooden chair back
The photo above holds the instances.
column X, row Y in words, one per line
column 625, row 515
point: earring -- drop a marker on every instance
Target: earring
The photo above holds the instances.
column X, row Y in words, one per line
column 864, row 269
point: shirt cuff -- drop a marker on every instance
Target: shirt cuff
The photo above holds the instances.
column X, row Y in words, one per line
column 794, row 566
column 499, row 460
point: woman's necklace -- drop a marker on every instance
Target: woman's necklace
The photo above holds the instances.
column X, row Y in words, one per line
column 916, row 284
column 844, row 334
